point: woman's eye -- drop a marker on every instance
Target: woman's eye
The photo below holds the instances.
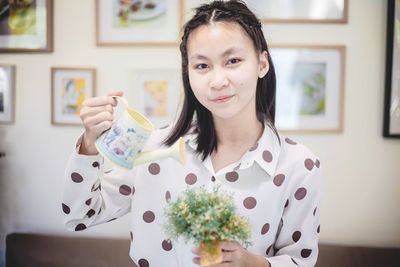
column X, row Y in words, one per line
column 233, row 61
column 201, row 66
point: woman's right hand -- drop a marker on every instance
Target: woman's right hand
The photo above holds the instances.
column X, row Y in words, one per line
column 97, row 116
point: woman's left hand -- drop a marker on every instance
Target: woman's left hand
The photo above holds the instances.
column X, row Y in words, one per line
column 234, row 255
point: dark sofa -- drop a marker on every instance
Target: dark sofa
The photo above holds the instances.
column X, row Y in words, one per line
column 36, row 250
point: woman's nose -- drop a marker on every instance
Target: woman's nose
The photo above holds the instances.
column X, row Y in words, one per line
column 219, row 80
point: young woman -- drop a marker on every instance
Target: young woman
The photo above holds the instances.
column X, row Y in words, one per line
column 227, row 121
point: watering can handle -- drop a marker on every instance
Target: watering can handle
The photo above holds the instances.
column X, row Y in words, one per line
column 123, row 100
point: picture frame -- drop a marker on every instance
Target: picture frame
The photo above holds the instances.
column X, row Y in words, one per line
column 159, row 93
column 138, row 23
column 391, row 118
column 69, row 88
column 7, row 93
column 26, row 27
column 292, row 11
column 310, row 88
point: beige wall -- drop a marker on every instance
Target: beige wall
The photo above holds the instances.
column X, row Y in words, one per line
column 362, row 179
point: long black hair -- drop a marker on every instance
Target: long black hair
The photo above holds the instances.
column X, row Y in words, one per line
column 234, row 11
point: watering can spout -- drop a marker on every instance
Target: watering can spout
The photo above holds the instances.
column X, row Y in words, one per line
column 177, row 151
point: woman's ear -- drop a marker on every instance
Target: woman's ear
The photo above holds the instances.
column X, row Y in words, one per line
column 263, row 65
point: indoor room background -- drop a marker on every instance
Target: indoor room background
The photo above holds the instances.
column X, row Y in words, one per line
column 361, row 170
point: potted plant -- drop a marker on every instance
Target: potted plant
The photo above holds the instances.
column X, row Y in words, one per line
column 207, row 218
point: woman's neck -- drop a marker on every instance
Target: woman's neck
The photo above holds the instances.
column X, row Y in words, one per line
column 235, row 138
column 238, row 131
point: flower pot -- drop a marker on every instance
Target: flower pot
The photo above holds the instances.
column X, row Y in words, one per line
column 210, row 253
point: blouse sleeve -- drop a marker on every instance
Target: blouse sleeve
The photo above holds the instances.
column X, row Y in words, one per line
column 297, row 240
column 92, row 195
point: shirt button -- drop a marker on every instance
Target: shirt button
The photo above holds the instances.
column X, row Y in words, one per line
column 213, row 179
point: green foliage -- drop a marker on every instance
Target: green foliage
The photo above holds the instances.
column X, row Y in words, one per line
column 204, row 216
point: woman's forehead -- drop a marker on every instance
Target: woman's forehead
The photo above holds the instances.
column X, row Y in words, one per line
column 219, row 36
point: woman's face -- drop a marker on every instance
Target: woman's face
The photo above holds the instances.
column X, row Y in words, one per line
column 224, row 68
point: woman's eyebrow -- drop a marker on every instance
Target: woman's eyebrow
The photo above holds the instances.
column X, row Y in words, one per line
column 227, row 52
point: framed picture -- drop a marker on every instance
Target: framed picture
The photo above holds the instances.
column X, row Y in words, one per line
column 7, row 93
column 26, row 26
column 310, row 82
column 290, row 11
column 159, row 92
column 391, row 120
column 138, row 22
column 69, row 88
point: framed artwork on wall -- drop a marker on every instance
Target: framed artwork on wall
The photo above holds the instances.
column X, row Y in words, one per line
column 134, row 22
column 391, row 120
column 26, row 26
column 69, row 88
column 159, row 92
column 7, row 93
column 310, row 84
column 290, row 11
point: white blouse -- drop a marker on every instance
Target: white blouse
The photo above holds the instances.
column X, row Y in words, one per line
column 276, row 185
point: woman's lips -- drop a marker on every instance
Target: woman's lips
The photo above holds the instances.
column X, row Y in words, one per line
column 222, row 99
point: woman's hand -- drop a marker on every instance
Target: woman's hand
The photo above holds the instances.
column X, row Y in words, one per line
column 97, row 116
column 234, row 255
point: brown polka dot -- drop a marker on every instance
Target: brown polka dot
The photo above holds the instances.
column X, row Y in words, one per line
column 76, row 177
column 167, row 245
column 265, row 229
column 319, row 229
column 133, row 190
column 191, row 179
column 305, row 253
column 294, row 261
column 90, row 213
column 315, row 210
column 148, row 216
column 296, row 236
column 154, row 168
column 290, row 141
column 249, row 202
column 287, row 203
column 212, row 179
column 278, row 180
column 87, row 202
column 168, row 196
column 96, row 164
column 317, row 163
column 143, row 263
column 125, row 190
column 309, row 164
column 254, row 147
column 232, row 176
column 267, row 156
column 131, row 236
column 65, row 209
column 300, row 193
column 80, row 227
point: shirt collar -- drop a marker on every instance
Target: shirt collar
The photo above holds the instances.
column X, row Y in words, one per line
column 265, row 152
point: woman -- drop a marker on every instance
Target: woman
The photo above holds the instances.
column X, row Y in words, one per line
column 227, row 121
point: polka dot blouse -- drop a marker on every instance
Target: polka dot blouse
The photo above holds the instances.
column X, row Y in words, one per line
column 276, row 185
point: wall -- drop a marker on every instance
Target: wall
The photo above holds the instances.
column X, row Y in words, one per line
column 361, row 176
